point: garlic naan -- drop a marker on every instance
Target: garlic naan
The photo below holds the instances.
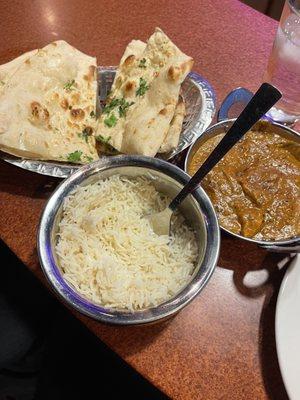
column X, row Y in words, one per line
column 8, row 69
column 48, row 105
column 172, row 138
column 144, row 95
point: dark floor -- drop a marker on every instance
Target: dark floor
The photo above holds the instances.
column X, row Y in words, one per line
column 45, row 353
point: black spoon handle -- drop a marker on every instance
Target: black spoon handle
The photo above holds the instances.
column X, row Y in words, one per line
column 266, row 96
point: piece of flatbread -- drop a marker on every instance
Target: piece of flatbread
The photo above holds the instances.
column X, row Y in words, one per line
column 8, row 69
column 149, row 81
column 136, row 48
column 48, row 105
column 172, row 138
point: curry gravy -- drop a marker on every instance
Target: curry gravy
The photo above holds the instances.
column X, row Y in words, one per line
column 255, row 189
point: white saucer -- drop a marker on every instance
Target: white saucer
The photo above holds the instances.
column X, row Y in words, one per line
column 287, row 329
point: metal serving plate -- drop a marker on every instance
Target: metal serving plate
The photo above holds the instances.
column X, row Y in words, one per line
column 200, row 102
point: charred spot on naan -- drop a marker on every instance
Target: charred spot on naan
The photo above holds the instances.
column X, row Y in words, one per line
column 167, row 111
column 55, row 97
column 77, row 114
column 130, row 87
column 90, row 76
column 39, row 115
column 174, row 73
column 86, row 133
column 150, row 122
column 129, row 61
column 64, row 104
column 163, row 111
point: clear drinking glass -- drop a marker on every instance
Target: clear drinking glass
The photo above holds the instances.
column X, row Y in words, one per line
column 283, row 69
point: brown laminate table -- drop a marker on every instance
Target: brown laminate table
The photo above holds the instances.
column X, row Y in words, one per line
column 222, row 345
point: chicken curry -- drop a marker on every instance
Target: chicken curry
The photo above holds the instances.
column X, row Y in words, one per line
column 255, row 189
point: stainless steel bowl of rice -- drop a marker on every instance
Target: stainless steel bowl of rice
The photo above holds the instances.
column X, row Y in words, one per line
column 100, row 254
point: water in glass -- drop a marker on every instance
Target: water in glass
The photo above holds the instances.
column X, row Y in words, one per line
column 283, row 69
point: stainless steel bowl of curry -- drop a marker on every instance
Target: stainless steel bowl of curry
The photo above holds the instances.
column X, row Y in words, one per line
column 255, row 189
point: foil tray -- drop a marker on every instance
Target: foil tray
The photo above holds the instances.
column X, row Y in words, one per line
column 200, row 101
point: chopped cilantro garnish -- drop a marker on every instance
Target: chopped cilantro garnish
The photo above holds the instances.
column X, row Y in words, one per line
column 142, row 63
column 121, row 103
column 111, row 105
column 2, row 82
column 83, row 136
column 69, row 84
column 103, row 139
column 75, row 156
column 123, row 107
column 142, row 89
column 93, row 114
column 87, row 131
column 90, row 159
column 111, row 120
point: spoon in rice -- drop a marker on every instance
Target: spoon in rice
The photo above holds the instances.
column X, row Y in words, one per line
column 265, row 98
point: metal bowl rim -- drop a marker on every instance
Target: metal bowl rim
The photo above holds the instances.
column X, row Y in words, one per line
column 97, row 312
column 208, row 132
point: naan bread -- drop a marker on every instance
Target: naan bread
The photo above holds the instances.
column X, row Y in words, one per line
column 115, row 134
column 148, row 82
column 47, row 105
column 172, row 138
column 8, row 69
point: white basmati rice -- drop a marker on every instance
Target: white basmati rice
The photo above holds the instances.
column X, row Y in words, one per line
column 108, row 251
